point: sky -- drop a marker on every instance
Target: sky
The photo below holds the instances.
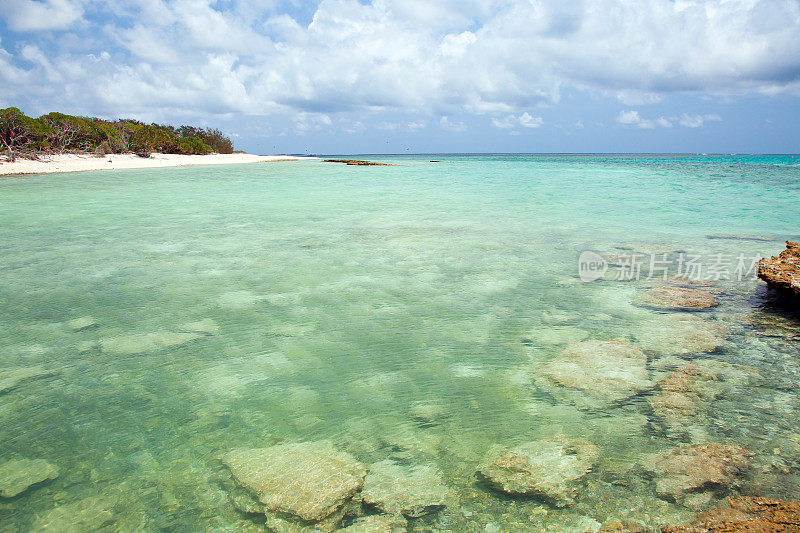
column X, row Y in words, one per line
column 420, row 76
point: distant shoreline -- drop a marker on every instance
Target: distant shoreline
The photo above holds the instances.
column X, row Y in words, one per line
column 60, row 163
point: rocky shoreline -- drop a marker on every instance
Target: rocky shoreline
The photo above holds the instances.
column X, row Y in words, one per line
column 782, row 272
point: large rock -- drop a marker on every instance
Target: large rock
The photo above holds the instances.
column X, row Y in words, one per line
column 81, row 323
column 683, row 397
column 756, row 515
column 602, row 371
column 309, row 481
column 18, row 475
column 145, row 342
column 782, row 272
column 553, row 470
column 680, row 334
column 377, row 524
column 692, row 475
column 676, row 298
column 95, row 513
column 11, row 378
column 409, row 490
column 207, row 326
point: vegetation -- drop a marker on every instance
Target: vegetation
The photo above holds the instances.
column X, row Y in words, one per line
column 22, row 136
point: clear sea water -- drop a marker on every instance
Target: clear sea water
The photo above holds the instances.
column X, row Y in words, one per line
column 393, row 310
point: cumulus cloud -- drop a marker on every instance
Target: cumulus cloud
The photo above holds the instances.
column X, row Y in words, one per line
column 525, row 120
column 497, row 57
column 33, row 15
column 696, row 121
column 632, row 118
column 449, row 125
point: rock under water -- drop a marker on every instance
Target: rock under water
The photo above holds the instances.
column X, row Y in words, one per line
column 683, row 397
column 309, row 481
column 680, row 334
column 377, row 524
column 676, row 298
column 412, row 491
column 552, row 470
column 12, row 378
column 601, row 372
column 95, row 513
column 18, row 475
column 750, row 514
column 693, row 475
column 145, row 342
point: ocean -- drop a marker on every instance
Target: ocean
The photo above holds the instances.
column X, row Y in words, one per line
column 153, row 320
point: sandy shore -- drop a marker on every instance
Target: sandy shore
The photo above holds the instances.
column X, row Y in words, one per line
column 77, row 163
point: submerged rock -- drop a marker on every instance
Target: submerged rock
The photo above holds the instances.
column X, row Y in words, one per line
column 204, row 327
column 90, row 514
column 18, row 475
column 81, row 323
column 378, row 524
column 742, row 237
column 239, row 299
column 428, row 413
column 676, row 298
column 553, row 470
column 145, row 342
column 603, row 371
column 308, row 481
column 683, row 397
column 692, row 475
column 680, row 334
column 745, row 514
column 11, row 378
column 412, row 491
column 782, row 272
column 556, row 335
column 614, row 525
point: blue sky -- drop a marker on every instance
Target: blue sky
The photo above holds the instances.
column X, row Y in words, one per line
column 395, row 76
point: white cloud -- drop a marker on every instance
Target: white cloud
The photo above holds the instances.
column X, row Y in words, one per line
column 305, row 122
column 31, row 15
column 448, row 125
column 632, row 118
column 697, row 121
column 456, row 45
column 637, row 98
column 497, row 57
column 663, row 122
column 525, row 120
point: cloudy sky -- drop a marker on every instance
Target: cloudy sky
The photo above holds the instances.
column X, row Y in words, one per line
column 378, row 76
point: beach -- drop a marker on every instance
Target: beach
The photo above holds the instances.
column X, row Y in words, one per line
column 60, row 163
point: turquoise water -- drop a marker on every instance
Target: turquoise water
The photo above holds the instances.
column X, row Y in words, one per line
column 398, row 311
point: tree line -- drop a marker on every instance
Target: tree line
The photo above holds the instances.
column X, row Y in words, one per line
column 23, row 136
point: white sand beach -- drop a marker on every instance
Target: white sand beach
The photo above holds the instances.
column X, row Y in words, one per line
column 75, row 162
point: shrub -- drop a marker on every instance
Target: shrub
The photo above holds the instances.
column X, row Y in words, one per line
column 58, row 131
column 102, row 149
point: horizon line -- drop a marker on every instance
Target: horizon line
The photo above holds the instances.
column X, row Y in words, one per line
column 702, row 154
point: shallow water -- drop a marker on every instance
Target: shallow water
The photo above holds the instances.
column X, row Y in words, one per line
column 397, row 311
